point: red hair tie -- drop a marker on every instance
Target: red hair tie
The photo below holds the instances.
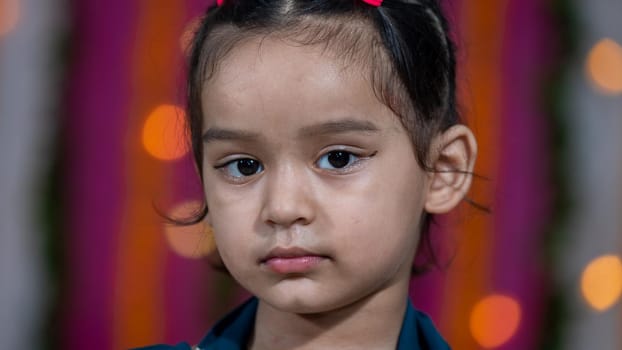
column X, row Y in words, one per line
column 374, row 3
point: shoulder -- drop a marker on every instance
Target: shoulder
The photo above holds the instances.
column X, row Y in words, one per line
column 429, row 333
column 418, row 332
column 230, row 333
column 234, row 330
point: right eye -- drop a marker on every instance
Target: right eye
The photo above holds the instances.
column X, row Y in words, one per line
column 240, row 168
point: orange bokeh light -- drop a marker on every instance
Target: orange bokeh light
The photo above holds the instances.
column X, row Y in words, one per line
column 494, row 320
column 192, row 241
column 604, row 66
column 164, row 133
column 9, row 15
column 601, row 282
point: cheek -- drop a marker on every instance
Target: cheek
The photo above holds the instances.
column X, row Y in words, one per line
column 232, row 219
column 384, row 236
column 401, row 196
column 383, row 217
column 231, row 236
column 228, row 205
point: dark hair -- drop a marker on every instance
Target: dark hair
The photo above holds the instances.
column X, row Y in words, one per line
column 404, row 45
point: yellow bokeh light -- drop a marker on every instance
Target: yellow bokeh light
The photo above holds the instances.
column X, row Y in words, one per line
column 494, row 320
column 191, row 241
column 601, row 282
column 164, row 133
column 604, row 66
column 9, row 15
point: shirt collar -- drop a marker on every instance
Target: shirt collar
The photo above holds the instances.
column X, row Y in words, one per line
column 233, row 331
column 418, row 332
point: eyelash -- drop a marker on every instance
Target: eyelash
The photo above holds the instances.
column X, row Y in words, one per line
column 234, row 166
column 353, row 160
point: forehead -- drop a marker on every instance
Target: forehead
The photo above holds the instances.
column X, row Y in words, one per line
column 268, row 77
column 270, row 59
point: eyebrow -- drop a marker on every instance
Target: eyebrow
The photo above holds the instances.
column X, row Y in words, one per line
column 218, row 134
column 338, row 127
column 326, row 128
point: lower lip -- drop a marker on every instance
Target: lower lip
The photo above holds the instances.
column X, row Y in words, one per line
column 299, row 264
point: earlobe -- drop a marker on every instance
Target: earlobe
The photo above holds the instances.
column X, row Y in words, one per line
column 453, row 156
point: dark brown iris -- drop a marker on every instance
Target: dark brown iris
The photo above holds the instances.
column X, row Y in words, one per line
column 248, row 167
column 339, row 159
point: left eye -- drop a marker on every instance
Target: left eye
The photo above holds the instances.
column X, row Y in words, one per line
column 336, row 160
column 240, row 168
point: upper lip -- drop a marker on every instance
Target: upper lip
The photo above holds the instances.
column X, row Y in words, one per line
column 288, row 252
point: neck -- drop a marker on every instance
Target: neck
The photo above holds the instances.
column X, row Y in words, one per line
column 373, row 322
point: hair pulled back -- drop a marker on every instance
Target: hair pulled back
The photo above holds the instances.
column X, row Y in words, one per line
column 403, row 45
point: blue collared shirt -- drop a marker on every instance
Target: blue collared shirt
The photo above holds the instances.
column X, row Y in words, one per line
column 234, row 331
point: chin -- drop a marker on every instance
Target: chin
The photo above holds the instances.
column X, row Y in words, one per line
column 305, row 301
column 301, row 307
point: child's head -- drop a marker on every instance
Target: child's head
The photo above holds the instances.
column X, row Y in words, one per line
column 325, row 132
column 402, row 47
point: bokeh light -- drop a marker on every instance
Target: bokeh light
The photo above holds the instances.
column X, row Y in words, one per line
column 9, row 15
column 186, row 36
column 601, row 282
column 191, row 241
column 604, row 66
column 494, row 320
column 164, row 133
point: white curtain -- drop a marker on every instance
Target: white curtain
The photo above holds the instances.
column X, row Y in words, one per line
column 594, row 174
column 29, row 84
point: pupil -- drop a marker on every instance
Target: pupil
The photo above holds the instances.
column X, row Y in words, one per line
column 248, row 167
column 339, row 159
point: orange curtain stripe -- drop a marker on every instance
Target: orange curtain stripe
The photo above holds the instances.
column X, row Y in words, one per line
column 139, row 319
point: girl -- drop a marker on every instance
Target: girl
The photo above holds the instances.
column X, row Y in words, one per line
column 326, row 135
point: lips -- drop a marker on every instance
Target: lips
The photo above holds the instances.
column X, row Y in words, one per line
column 293, row 260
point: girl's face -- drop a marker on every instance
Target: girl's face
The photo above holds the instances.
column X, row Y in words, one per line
column 312, row 185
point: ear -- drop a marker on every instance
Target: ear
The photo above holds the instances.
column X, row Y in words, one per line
column 452, row 157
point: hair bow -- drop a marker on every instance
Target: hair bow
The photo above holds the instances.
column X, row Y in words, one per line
column 374, row 3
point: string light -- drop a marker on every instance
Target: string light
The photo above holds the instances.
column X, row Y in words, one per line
column 494, row 320
column 164, row 133
column 604, row 66
column 601, row 282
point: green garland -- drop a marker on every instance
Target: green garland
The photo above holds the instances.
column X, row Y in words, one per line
column 555, row 95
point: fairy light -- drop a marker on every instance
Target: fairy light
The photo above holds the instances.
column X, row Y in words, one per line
column 601, row 282
column 494, row 320
column 604, row 66
column 164, row 133
column 190, row 241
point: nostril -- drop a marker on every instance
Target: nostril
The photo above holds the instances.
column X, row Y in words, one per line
column 300, row 213
column 286, row 200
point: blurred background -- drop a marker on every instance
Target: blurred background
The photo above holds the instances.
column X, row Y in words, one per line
column 91, row 129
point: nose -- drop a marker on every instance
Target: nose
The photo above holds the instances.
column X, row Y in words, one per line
column 288, row 197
